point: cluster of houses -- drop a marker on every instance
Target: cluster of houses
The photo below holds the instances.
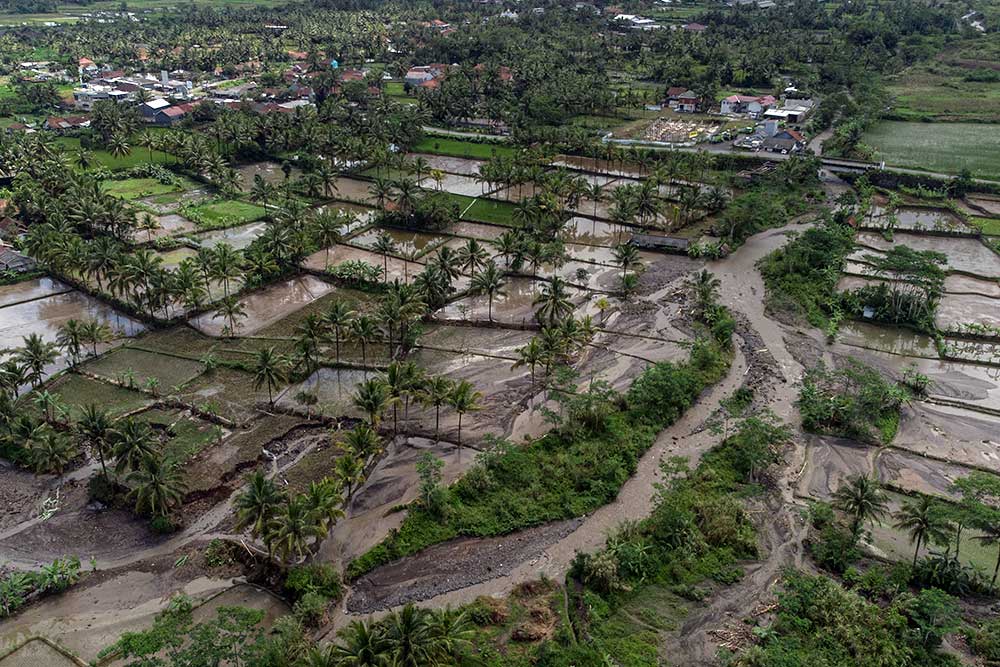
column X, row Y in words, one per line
column 757, row 107
column 636, row 22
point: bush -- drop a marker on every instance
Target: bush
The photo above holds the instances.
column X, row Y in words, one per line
column 319, row 578
column 835, row 548
column 219, row 553
column 310, row 609
column 162, row 525
column 984, row 641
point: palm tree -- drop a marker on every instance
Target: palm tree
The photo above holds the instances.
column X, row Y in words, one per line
column 365, row 330
column 453, row 634
column 924, row 522
column 553, row 303
column 230, row 309
column 324, row 502
column 409, row 639
column 292, row 528
column 95, row 430
column 704, row 287
column 338, row 317
column 464, row 398
column 595, row 193
column 35, row 355
column 270, row 370
column 626, row 256
column 472, row 255
column 134, row 441
column 349, row 470
column 385, row 246
column 95, row 333
column 436, row 392
column 52, row 452
column 158, row 486
column 70, row 339
column 861, row 499
column 257, row 504
column 530, row 355
column 372, row 397
column 362, row 644
column 363, row 440
column 489, row 282
column 118, row 145
column 381, row 191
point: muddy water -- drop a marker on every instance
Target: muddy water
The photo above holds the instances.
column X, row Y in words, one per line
column 269, row 171
column 514, row 307
column 403, row 269
column 170, row 225
column 266, row 306
column 361, row 215
column 238, row 237
column 829, row 462
column 30, row 289
column 958, row 310
column 334, row 387
column 476, row 230
column 886, row 339
column 352, row 189
column 961, row 284
column 920, row 218
column 591, row 231
column 989, row 204
column 406, row 242
column 45, row 315
column 967, row 255
column 450, row 165
column 591, row 253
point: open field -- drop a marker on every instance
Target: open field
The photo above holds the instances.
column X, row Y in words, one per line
column 939, row 147
column 459, row 148
column 225, row 213
column 103, row 158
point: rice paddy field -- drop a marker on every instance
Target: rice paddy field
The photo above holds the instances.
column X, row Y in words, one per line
column 939, row 147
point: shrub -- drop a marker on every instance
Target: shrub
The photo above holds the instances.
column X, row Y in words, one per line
column 835, row 548
column 310, row 609
column 319, row 578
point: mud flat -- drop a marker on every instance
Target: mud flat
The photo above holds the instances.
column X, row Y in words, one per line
column 461, row 185
column 947, row 433
column 961, row 284
column 476, row 230
column 45, row 315
column 916, row 473
column 956, row 310
column 919, row 218
column 403, row 269
column 452, row 565
column 238, row 237
column 169, row 225
column 37, row 653
column 829, row 462
column 393, row 482
column 266, row 306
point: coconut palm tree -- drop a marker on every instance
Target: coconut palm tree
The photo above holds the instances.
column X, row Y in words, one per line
column 230, row 309
column 338, row 317
column 95, row 333
column 362, row 644
column 409, row 639
column 157, row 486
column 924, row 521
column 35, row 354
column 52, row 452
column 257, row 503
column 436, row 392
column 627, row 257
column 463, row 399
column 270, row 370
column 95, row 431
column 472, row 255
column 292, row 528
column 365, row 330
column 349, row 470
column 489, row 282
column 384, row 246
column 323, row 498
column 530, row 355
column 70, row 339
column 373, row 398
column 553, row 304
column 862, row 500
column 704, row 288
column 363, row 440
column 134, row 441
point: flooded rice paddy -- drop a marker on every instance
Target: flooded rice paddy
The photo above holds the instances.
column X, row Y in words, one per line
column 406, row 243
column 967, row 255
column 334, row 389
column 450, row 165
column 238, row 237
column 271, row 172
column 268, row 305
column 395, row 267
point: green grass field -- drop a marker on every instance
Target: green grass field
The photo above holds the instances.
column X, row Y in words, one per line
column 459, row 148
column 135, row 188
column 225, row 213
column 484, row 210
column 103, row 158
column 989, row 226
column 940, row 147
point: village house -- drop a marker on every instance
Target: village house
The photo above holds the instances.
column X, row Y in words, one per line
column 792, row 111
column 784, row 141
column 148, row 110
column 14, row 262
column 66, row 124
column 86, row 97
column 686, row 102
column 746, row 104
